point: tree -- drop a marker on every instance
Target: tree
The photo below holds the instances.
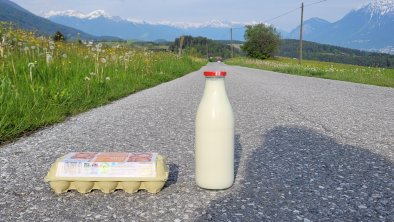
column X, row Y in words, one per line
column 261, row 41
column 58, row 37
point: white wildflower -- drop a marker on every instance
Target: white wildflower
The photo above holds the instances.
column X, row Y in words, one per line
column 64, row 56
column 31, row 65
column 87, row 78
column 48, row 58
column 103, row 60
column 107, row 78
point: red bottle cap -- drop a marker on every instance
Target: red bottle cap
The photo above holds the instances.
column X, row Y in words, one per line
column 215, row 73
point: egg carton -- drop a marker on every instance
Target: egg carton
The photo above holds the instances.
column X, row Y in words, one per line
column 87, row 171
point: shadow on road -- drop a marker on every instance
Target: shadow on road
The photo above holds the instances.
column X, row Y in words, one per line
column 299, row 174
column 237, row 153
column 173, row 175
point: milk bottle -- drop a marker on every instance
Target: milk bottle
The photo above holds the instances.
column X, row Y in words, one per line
column 214, row 142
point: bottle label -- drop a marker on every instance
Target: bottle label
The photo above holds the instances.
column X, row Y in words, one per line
column 89, row 164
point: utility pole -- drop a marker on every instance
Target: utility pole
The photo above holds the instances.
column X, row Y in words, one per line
column 206, row 47
column 302, row 21
column 231, row 43
column 182, row 38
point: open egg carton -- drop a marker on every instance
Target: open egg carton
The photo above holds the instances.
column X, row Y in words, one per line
column 108, row 171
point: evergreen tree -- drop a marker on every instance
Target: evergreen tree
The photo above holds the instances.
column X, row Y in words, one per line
column 58, row 37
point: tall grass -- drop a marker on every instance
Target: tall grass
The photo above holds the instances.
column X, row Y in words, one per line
column 344, row 72
column 42, row 82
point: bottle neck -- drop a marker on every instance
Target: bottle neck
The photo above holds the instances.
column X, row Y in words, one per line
column 215, row 85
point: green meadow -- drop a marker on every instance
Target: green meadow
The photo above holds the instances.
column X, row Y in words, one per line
column 42, row 81
column 326, row 70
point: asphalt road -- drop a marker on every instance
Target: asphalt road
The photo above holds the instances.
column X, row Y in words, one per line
column 307, row 149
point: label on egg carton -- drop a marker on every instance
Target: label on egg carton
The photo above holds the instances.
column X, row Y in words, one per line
column 117, row 165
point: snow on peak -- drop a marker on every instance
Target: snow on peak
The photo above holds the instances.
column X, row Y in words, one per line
column 181, row 25
column 97, row 13
column 191, row 25
column 218, row 24
column 73, row 13
column 381, row 7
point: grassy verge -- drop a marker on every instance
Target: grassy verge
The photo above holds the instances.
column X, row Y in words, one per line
column 42, row 82
column 344, row 72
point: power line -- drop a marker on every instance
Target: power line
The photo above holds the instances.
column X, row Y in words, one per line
column 314, row 3
column 286, row 13
column 281, row 15
column 293, row 10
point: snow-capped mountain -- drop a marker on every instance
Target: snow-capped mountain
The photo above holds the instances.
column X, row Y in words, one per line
column 184, row 25
column 370, row 27
column 100, row 22
column 73, row 13
column 21, row 18
column 381, row 7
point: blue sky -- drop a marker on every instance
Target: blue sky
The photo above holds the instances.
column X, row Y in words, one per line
column 202, row 10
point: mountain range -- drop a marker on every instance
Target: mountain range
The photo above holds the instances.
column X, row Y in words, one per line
column 100, row 23
column 370, row 27
column 21, row 18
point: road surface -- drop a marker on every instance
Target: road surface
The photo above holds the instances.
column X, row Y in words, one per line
column 307, row 149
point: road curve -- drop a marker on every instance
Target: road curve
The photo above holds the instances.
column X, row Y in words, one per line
column 307, row 149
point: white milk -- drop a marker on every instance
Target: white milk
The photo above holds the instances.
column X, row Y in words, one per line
column 214, row 137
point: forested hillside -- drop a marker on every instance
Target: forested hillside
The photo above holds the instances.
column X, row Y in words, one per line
column 203, row 47
column 329, row 53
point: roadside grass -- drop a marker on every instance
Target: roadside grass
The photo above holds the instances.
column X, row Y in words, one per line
column 42, row 82
column 326, row 70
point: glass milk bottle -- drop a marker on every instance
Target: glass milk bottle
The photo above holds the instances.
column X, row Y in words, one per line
column 214, row 142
